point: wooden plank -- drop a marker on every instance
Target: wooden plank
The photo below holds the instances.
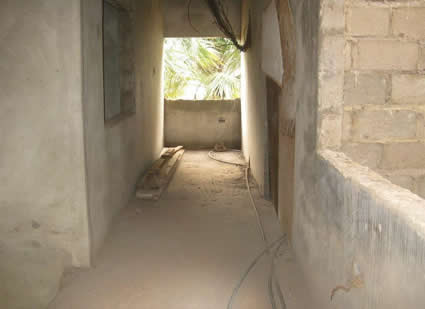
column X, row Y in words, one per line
column 152, row 189
column 171, row 151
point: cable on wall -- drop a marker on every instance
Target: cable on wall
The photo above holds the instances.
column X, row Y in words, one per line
column 225, row 26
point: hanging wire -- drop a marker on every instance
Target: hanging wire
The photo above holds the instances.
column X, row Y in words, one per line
column 219, row 12
column 189, row 6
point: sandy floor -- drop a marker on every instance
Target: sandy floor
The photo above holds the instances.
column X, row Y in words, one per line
column 188, row 250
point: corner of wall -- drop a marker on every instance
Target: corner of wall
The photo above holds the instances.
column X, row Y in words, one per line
column 331, row 74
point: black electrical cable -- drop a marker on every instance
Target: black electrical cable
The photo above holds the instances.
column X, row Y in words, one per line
column 217, row 9
column 189, row 5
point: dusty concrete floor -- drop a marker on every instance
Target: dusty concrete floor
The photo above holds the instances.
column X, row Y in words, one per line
column 187, row 250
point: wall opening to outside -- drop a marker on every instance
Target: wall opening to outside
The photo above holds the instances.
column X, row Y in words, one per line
column 201, row 69
column 202, row 85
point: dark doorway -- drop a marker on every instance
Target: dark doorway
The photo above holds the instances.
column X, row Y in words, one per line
column 273, row 92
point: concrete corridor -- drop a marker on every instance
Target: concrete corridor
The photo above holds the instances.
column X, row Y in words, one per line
column 188, row 250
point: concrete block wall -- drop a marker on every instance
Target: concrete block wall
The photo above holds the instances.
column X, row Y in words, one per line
column 384, row 89
column 202, row 124
column 353, row 228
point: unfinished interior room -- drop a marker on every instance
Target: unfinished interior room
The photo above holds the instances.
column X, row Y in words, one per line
column 233, row 154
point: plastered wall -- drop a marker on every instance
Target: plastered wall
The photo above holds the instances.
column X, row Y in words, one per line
column 118, row 152
column 202, row 124
column 253, row 96
column 384, row 89
column 42, row 193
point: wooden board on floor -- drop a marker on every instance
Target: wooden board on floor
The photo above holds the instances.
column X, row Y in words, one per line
column 157, row 179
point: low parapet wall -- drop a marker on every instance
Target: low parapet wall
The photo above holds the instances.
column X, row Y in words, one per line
column 202, row 124
column 361, row 239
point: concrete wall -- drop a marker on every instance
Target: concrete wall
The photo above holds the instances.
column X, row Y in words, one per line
column 253, row 97
column 358, row 237
column 43, row 192
column 287, row 114
column 118, row 152
column 60, row 163
column 202, row 124
column 201, row 22
column 384, row 94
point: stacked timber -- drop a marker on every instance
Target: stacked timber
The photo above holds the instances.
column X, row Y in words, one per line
column 157, row 178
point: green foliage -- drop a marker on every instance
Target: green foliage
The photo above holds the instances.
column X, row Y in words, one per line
column 206, row 68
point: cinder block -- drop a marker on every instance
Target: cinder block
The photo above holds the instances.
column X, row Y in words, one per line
column 421, row 62
column 331, row 91
column 332, row 16
column 403, row 155
column 408, row 88
column 365, row 154
column 346, row 126
column 385, row 55
column 384, row 124
column 331, row 57
column 364, row 89
column 409, row 22
column 330, row 131
column 347, row 56
column 369, row 21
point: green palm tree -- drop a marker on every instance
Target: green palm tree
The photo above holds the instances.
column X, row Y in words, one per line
column 209, row 65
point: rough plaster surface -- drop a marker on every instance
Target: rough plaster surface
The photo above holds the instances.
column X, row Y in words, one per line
column 201, row 124
column 272, row 61
column 253, row 94
column 287, row 114
column 201, row 23
column 30, row 278
column 42, row 192
column 189, row 249
column 117, row 154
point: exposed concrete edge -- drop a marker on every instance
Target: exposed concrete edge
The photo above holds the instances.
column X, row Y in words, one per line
column 403, row 203
column 84, row 78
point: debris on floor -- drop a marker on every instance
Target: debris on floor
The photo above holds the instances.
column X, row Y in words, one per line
column 156, row 179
